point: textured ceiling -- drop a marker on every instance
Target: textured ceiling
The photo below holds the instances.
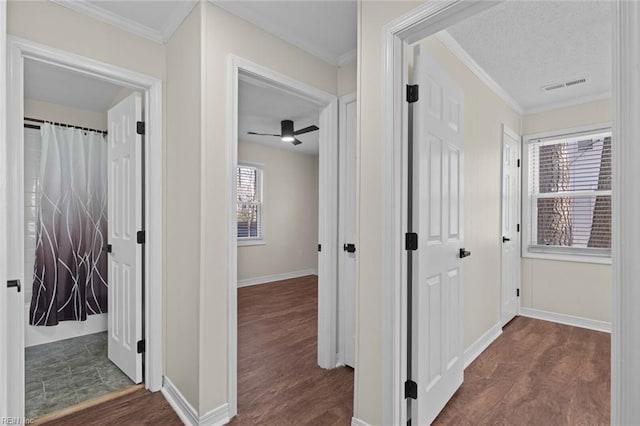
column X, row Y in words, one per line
column 261, row 108
column 525, row 45
column 48, row 83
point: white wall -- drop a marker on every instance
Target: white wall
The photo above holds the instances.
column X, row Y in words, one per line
column 290, row 213
column 347, row 78
column 568, row 288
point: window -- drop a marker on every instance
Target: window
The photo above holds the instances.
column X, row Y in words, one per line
column 249, row 202
column 569, row 195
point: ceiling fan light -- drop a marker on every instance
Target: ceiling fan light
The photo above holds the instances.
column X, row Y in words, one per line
column 286, row 127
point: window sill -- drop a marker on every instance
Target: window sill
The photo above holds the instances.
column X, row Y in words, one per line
column 568, row 257
column 250, row 242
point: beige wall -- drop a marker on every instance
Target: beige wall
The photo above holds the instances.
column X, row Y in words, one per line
column 569, row 288
column 183, row 208
column 290, row 213
column 347, row 75
column 63, row 114
column 227, row 34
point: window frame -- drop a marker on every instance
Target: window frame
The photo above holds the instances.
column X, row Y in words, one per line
column 259, row 240
column 568, row 254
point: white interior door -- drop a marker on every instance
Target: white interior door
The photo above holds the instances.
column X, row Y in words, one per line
column 347, row 219
column 437, row 355
column 125, row 220
column 510, row 225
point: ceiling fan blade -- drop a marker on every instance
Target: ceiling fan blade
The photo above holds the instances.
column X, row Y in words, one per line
column 296, row 142
column 312, row 128
column 262, row 134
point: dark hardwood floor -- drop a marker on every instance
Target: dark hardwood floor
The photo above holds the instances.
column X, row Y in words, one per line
column 535, row 373
column 279, row 381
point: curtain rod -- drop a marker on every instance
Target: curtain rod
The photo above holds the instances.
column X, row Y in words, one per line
column 37, row 120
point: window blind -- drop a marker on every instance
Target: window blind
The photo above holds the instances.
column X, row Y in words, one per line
column 249, row 202
column 570, row 191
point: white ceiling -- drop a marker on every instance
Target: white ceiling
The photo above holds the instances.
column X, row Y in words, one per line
column 525, row 45
column 326, row 29
column 261, row 108
column 48, row 83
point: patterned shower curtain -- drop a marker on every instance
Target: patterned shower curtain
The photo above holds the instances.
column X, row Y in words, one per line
column 70, row 272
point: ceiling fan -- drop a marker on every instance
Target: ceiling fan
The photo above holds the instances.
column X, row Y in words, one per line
column 287, row 134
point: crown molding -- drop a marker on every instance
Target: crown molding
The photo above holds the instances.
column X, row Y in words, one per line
column 241, row 10
column 89, row 9
column 459, row 52
column 571, row 102
column 347, row 58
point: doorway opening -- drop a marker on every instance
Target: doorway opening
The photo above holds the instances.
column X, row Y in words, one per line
column 483, row 142
column 273, row 170
column 82, row 156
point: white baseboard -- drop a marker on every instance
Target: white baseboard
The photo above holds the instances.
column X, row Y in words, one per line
column 216, row 417
column 567, row 319
column 277, row 277
column 37, row 335
column 358, row 422
column 483, row 342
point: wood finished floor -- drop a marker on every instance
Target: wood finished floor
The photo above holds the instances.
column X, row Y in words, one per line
column 535, row 373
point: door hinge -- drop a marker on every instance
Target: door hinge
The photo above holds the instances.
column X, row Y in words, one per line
column 108, row 248
column 140, row 127
column 517, row 292
column 141, row 237
column 518, row 228
column 141, row 346
column 412, row 93
column 518, row 162
column 319, row 247
column 411, row 241
column 410, row 389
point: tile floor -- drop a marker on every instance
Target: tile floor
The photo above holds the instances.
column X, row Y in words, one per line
column 67, row 372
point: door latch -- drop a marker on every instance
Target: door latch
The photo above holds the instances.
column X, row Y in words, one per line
column 464, row 253
column 349, row 248
column 14, row 283
column 505, row 239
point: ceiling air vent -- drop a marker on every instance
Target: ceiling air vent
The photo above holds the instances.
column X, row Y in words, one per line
column 556, row 86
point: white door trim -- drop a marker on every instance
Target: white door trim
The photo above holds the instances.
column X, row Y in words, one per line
column 3, row 210
column 428, row 19
column 342, row 310
column 514, row 135
column 625, row 370
column 152, row 88
column 240, row 68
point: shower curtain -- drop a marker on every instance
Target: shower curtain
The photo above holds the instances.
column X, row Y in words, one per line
column 70, row 272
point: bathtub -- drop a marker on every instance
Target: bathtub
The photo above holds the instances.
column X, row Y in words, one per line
column 64, row 330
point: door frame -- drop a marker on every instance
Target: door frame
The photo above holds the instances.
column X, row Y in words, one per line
column 3, row 211
column 508, row 131
column 18, row 49
column 342, row 309
column 428, row 19
column 240, row 68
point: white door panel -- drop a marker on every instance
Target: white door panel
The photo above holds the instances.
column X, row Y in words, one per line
column 347, row 276
column 510, row 222
column 125, row 219
column 437, row 356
